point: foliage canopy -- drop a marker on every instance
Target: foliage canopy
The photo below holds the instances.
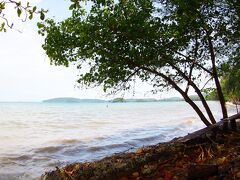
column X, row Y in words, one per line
column 170, row 44
column 231, row 83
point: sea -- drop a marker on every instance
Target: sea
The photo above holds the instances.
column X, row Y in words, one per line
column 38, row 137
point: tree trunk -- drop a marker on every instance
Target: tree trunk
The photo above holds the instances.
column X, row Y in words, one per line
column 220, row 96
column 204, row 102
column 195, row 107
column 184, row 95
column 217, row 83
column 197, row 90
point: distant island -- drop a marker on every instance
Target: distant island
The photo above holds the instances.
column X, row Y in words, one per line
column 72, row 100
column 77, row 100
column 116, row 100
column 172, row 99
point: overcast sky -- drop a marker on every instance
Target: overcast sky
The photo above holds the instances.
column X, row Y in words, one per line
column 25, row 72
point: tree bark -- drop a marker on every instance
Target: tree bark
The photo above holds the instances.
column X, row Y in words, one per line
column 184, row 95
column 204, row 102
column 232, row 120
column 217, row 83
column 195, row 107
column 197, row 90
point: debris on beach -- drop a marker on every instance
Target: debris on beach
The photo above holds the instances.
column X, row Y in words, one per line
column 215, row 154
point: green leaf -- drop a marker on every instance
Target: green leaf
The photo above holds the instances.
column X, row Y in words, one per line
column 72, row 7
column 40, row 25
column 30, row 16
column 2, row 5
column 2, row 27
column 34, row 9
column 19, row 12
column 42, row 16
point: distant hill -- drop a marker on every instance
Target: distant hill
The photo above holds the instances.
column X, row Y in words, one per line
column 116, row 100
column 192, row 97
column 142, row 100
column 172, row 99
column 72, row 100
column 133, row 100
column 195, row 98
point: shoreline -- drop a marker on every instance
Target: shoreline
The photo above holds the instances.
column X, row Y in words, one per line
column 210, row 149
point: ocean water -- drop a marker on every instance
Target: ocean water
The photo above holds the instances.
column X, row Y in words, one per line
column 37, row 137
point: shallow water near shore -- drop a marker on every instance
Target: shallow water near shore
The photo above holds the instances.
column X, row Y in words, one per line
column 37, row 137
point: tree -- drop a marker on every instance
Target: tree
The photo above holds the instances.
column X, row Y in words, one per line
column 231, row 84
column 216, row 28
column 170, row 44
column 25, row 11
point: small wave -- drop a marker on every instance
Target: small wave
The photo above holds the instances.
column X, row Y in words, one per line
column 65, row 141
column 41, row 159
column 56, row 164
column 110, row 146
column 113, row 146
column 96, row 148
column 151, row 138
column 20, row 158
column 132, row 144
column 13, row 158
column 49, row 149
column 100, row 138
column 73, row 150
column 20, row 176
column 189, row 121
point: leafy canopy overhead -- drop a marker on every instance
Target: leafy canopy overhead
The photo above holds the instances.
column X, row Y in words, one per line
column 169, row 43
column 113, row 39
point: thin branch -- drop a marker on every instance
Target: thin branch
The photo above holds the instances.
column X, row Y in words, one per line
column 7, row 22
column 206, row 83
column 131, row 75
column 189, row 77
column 197, row 64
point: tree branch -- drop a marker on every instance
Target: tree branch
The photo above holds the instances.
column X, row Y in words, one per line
column 206, row 83
column 197, row 64
column 198, row 91
column 131, row 75
column 184, row 95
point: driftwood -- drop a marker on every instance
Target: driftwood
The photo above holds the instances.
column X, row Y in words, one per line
column 233, row 117
column 232, row 120
column 199, row 133
column 201, row 171
column 203, row 131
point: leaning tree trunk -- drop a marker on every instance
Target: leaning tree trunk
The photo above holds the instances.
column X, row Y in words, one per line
column 198, row 91
column 184, row 95
column 204, row 102
column 195, row 107
column 218, row 86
